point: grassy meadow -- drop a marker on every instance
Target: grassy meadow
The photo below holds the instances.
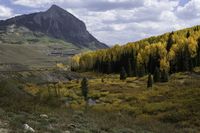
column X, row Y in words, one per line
column 127, row 106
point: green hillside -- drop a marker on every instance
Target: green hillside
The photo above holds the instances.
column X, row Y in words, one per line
column 22, row 47
column 171, row 52
column 22, row 35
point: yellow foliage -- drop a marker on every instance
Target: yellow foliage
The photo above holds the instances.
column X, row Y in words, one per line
column 143, row 49
column 192, row 45
column 164, row 64
column 75, row 61
column 139, row 58
column 171, row 54
column 60, row 65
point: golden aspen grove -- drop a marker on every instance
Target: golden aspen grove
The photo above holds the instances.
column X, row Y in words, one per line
column 171, row 52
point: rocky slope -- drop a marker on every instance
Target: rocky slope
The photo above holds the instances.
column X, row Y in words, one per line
column 57, row 23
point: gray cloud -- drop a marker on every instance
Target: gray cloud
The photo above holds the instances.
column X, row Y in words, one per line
column 108, row 5
column 92, row 5
column 121, row 21
column 190, row 11
column 5, row 12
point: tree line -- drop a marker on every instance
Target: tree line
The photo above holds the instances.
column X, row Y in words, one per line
column 166, row 54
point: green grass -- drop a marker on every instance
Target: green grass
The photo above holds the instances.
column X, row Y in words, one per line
column 26, row 48
column 126, row 106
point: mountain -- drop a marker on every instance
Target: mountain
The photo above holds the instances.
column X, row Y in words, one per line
column 59, row 24
column 21, row 47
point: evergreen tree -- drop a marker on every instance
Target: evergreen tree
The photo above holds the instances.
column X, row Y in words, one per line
column 84, row 88
column 188, row 34
column 170, row 41
column 177, row 51
column 129, row 68
column 198, row 53
column 150, row 66
column 150, row 81
column 156, row 75
column 134, row 64
column 191, row 64
column 123, row 74
column 164, row 76
column 109, row 69
column 186, row 59
column 141, row 71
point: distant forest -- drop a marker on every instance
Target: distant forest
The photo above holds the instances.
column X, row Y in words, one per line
column 169, row 53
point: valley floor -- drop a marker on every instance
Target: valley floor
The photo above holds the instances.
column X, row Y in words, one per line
column 114, row 106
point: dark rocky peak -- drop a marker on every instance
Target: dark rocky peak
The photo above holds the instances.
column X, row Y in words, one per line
column 56, row 9
column 57, row 23
column 59, row 14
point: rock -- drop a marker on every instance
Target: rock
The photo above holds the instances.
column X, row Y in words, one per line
column 3, row 126
column 71, row 126
column 66, row 132
column 91, row 102
column 27, row 128
column 44, row 116
column 50, row 127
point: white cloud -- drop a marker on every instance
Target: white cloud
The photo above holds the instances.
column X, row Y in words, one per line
column 190, row 11
column 121, row 21
column 5, row 12
column 125, row 25
column 36, row 3
column 95, row 5
column 168, row 16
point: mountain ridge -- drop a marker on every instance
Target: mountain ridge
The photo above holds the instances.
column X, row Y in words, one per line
column 57, row 23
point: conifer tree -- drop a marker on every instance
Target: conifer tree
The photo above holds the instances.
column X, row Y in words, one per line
column 84, row 88
column 188, row 34
column 198, row 53
column 123, row 74
column 141, row 71
column 170, row 41
column 109, row 69
column 150, row 81
column 129, row 68
column 186, row 59
column 164, row 76
column 156, row 75
column 134, row 64
column 177, row 51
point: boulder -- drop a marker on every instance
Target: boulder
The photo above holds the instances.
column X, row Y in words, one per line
column 27, row 128
column 44, row 116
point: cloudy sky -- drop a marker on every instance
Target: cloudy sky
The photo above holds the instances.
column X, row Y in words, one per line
column 117, row 21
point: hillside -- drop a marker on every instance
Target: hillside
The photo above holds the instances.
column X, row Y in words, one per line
column 171, row 52
column 22, row 48
column 57, row 23
column 43, row 39
column 126, row 106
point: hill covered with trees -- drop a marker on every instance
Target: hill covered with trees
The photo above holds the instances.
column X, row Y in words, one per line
column 171, row 52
